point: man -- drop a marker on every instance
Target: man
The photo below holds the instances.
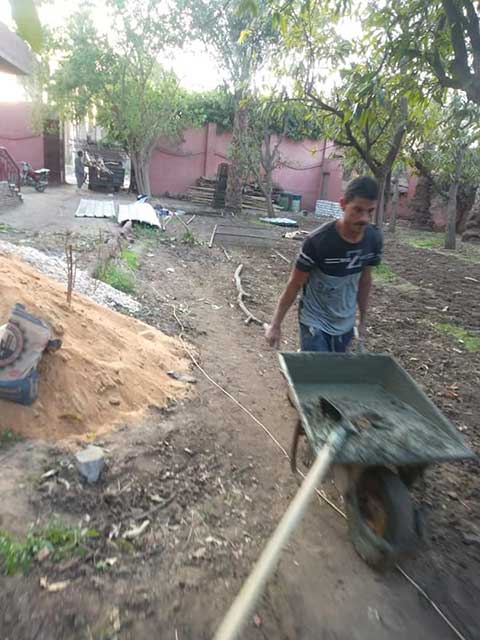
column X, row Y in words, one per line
column 334, row 271
column 79, row 169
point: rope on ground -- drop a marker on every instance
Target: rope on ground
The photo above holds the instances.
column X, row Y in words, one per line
column 320, row 494
column 431, row 602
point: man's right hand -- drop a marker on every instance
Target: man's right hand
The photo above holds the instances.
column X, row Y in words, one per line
column 273, row 335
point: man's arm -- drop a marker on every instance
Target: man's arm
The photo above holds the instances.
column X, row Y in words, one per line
column 297, row 280
column 364, row 287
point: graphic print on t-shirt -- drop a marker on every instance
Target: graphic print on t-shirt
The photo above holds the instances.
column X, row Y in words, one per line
column 330, row 296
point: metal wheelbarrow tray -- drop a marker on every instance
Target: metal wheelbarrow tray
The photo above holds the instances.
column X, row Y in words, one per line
column 399, row 433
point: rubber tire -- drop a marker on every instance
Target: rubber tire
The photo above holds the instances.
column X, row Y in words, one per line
column 40, row 187
column 400, row 536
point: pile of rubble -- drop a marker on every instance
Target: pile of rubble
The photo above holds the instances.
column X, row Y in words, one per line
column 56, row 268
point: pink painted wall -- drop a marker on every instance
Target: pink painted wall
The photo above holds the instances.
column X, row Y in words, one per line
column 175, row 167
column 16, row 133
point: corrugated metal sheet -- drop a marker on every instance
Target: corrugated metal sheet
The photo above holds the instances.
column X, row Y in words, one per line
column 95, row 209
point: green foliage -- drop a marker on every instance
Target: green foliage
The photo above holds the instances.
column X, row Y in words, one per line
column 427, row 240
column 151, row 235
column 120, row 84
column 131, row 259
column 469, row 340
column 446, row 132
column 8, row 437
column 217, row 106
column 383, row 274
column 436, row 42
column 61, row 540
column 188, row 238
column 240, row 41
column 366, row 110
column 285, row 116
column 28, row 25
column 117, row 276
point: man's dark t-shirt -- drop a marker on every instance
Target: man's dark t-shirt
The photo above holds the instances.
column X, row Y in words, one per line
column 329, row 298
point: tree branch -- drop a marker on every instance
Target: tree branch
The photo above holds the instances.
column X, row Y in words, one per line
column 366, row 156
column 472, row 26
column 460, row 69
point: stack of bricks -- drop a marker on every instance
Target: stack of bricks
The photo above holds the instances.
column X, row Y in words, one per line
column 327, row 209
column 8, row 195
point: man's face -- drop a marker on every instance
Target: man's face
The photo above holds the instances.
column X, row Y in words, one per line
column 358, row 212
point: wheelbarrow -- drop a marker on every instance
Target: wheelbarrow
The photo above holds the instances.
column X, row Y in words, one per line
column 368, row 418
column 399, row 432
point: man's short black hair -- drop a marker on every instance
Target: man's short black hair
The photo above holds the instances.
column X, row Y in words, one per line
column 363, row 187
column 80, row 153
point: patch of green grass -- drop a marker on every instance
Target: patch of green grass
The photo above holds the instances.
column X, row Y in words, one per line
column 118, row 277
column 425, row 240
column 61, row 540
column 469, row 340
column 384, row 274
column 130, row 258
column 8, row 438
column 188, row 238
column 148, row 234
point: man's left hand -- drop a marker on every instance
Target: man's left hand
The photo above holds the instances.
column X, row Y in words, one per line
column 362, row 330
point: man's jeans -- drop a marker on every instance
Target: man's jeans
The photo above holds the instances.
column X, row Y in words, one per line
column 317, row 340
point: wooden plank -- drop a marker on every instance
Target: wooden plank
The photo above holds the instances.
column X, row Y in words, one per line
column 210, row 244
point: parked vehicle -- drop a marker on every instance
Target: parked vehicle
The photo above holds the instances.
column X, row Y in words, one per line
column 29, row 177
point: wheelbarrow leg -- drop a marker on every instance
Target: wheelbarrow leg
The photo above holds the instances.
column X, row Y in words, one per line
column 297, row 432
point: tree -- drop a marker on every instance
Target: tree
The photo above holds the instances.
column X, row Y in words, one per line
column 472, row 226
column 439, row 40
column 367, row 111
column 120, row 81
column 241, row 44
column 259, row 146
column 444, row 149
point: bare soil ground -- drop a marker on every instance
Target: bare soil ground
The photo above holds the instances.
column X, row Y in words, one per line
column 213, row 485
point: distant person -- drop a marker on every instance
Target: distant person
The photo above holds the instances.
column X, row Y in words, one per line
column 79, row 169
column 333, row 271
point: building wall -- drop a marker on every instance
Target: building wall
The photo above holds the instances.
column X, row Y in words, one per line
column 17, row 136
column 309, row 167
column 175, row 167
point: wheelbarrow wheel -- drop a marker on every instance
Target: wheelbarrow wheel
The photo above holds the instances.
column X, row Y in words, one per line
column 381, row 517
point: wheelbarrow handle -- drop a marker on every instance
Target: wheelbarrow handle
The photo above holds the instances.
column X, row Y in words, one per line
column 241, row 609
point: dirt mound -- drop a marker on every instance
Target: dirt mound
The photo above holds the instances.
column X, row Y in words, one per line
column 110, row 369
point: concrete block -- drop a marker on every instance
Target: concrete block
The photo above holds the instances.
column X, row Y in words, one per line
column 90, row 463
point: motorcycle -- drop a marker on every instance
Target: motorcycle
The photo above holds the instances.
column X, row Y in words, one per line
column 30, row 178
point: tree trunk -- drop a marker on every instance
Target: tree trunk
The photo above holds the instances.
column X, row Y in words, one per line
column 465, row 200
column 141, row 165
column 268, row 194
column 396, row 196
column 451, row 230
column 472, row 226
column 233, row 197
column 266, row 187
column 421, row 202
column 380, row 209
column 386, row 193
